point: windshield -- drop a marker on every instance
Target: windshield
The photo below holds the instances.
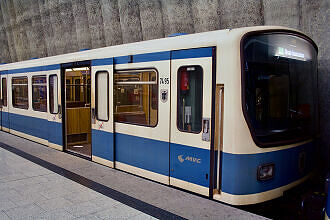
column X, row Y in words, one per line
column 279, row 88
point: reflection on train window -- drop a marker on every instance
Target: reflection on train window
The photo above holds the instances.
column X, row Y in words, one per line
column 136, row 97
column 78, row 85
column 20, row 92
column 39, row 93
column 4, row 91
column 190, row 90
column 53, row 94
column 102, row 96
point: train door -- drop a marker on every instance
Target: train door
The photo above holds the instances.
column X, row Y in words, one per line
column 55, row 135
column 102, row 112
column 77, row 80
column 5, row 107
column 191, row 119
column 141, row 115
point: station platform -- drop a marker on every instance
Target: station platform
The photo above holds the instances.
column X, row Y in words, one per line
column 38, row 182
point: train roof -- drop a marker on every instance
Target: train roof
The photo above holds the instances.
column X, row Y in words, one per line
column 204, row 39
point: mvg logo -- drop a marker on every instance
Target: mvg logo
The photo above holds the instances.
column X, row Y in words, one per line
column 181, row 158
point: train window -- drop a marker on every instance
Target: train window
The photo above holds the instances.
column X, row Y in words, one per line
column 102, row 96
column 4, row 91
column 39, row 93
column 135, row 94
column 20, row 92
column 53, row 95
column 190, row 90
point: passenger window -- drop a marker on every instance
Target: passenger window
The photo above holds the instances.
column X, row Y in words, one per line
column 4, row 91
column 53, row 95
column 190, row 93
column 135, row 94
column 20, row 92
column 39, row 93
column 102, row 96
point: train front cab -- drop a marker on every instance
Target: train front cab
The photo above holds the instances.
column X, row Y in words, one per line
column 269, row 124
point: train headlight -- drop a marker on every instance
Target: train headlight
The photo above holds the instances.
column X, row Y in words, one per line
column 266, row 171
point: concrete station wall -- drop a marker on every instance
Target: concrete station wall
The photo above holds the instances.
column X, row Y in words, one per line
column 39, row 28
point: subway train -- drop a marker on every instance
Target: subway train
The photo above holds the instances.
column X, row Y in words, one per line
column 229, row 114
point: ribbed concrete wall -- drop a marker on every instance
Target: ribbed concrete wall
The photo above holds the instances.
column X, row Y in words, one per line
column 39, row 28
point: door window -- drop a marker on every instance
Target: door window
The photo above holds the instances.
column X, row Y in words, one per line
column 190, row 93
column 102, row 96
column 53, row 95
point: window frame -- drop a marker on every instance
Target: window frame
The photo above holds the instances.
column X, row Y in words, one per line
column 177, row 99
column 58, row 110
column 151, row 69
column 45, row 76
column 12, row 87
column 96, row 95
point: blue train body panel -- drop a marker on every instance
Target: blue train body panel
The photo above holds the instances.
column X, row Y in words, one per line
column 37, row 127
column 102, row 144
column 34, row 69
column 239, row 171
column 29, row 125
column 144, row 153
column 190, row 164
column 192, row 53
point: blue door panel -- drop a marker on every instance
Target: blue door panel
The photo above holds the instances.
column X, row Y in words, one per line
column 102, row 144
column 190, row 164
column 55, row 133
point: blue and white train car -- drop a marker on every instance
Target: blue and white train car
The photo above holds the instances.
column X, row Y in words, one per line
column 228, row 114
